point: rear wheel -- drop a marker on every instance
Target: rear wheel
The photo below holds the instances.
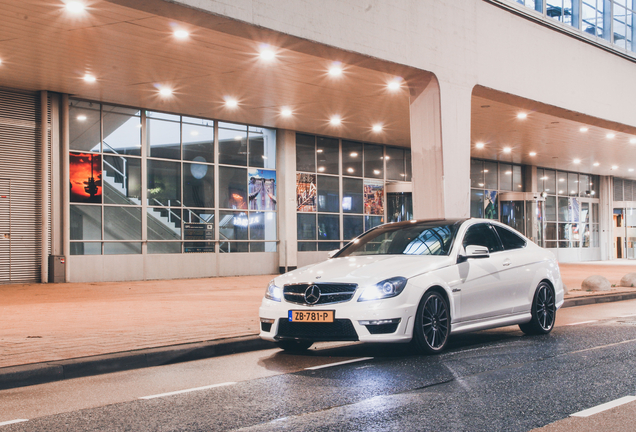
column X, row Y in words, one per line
column 543, row 311
column 294, row 345
column 432, row 324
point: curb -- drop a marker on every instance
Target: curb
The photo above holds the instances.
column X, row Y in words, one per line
column 45, row 372
column 601, row 298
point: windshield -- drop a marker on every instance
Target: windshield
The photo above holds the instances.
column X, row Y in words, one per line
column 424, row 238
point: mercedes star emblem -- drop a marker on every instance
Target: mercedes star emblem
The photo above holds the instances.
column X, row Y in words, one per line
column 312, row 294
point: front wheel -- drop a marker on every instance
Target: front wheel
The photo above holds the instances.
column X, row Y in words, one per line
column 543, row 311
column 432, row 324
column 292, row 345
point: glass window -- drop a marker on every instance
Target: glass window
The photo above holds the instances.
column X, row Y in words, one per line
column 86, row 223
column 305, row 153
column 409, row 170
column 306, row 226
column 262, row 147
column 477, row 173
column 328, row 194
column 477, row 203
column 509, row 239
column 328, row 227
column 395, row 164
column 517, row 178
column 351, row 158
column 198, row 185
column 84, row 126
column 352, row 195
column 550, row 181
column 352, row 227
column 550, row 209
column 122, row 248
column 198, row 142
column 164, row 247
column 482, row 235
column 372, row 222
column 328, row 246
column 551, row 232
column 233, row 225
column 233, row 146
column 327, row 150
column 505, row 177
column 86, row 248
column 163, row 138
column 373, row 161
column 490, row 175
column 564, row 214
column 232, row 188
column 262, row 226
column 122, row 130
column 122, row 223
column 562, row 183
column 198, row 225
column 122, row 180
column 307, row 246
column 164, row 223
column 573, row 184
column 164, row 183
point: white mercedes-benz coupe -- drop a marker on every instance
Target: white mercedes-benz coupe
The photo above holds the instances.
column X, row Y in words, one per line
column 419, row 281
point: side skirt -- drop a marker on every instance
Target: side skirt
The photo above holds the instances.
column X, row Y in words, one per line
column 487, row 323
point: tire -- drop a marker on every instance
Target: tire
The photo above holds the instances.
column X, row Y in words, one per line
column 292, row 345
column 543, row 311
column 432, row 324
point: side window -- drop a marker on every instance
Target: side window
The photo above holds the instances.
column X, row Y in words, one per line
column 509, row 239
column 482, row 235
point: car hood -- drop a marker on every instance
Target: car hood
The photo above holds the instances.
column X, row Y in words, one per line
column 364, row 270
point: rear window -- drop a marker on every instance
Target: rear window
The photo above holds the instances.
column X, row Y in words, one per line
column 509, row 239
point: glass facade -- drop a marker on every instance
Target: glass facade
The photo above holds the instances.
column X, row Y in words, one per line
column 487, row 180
column 610, row 20
column 340, row 188
column 207, row 186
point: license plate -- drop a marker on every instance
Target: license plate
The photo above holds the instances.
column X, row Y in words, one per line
column 311, row 316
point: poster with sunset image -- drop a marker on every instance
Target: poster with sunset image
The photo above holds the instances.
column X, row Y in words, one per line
column 85, row 173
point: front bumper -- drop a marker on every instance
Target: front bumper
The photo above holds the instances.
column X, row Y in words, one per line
column 387, row 320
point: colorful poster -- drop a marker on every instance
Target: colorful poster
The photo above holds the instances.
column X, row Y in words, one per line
column 306, row 192
column 490, row 205
column 85, row 174
column 373, row 198
column 262, row 189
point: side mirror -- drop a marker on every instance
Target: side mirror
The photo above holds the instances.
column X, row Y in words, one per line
column 333, row 252
column 474, row 251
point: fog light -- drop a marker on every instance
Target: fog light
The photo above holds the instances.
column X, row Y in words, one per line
column 267, row 320
column 379, row 322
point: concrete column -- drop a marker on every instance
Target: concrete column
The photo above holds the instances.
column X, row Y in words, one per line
column 440, row 147
column 286, row 188
column 44, row 172
column 606, row 214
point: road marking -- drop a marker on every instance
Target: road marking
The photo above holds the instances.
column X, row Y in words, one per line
column 187, row 390
column 626, row 316
column 339, row 363
column 582, row 322
column 13, row 421
column 604, row 407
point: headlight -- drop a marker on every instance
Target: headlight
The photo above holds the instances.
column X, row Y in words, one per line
column 273, row 292
column 385, row 289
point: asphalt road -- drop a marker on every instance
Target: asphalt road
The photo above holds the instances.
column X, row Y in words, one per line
column 497, row 380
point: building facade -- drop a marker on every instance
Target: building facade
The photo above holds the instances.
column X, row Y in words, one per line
column 175, row 139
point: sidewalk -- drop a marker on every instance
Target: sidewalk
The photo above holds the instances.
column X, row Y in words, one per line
column 66, row 325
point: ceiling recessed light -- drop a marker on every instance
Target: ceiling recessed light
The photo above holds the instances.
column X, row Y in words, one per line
column 485, row 171
column 532, row 154
column 577, row 161
column 181, row 34
column 508, row 172
column 353, row 154
column 81, row 117
column 89, row 78
column 610, row 135
column 394, row 84
column 560, row 191
column 286, row 112
column 507, row 150
column 522, row 115
column 377, row 128
column 479, row 145
column 376, row 172
column 267, row 53
column 335, row 120
column 230, row 102
column 75, row 6
column 481, row 185
column 631, row 141
column 350, row 170
column 335, row 69
column 321, row 169
column 0, row 61
column 544, row 178
column 596, row 164
column 319, row 151
column 561, row 179
column 165, row 91
column 584, row 129
column 614, row 167
column 631, row 170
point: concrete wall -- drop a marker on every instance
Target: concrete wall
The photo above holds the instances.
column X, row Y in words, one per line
column 464, row 42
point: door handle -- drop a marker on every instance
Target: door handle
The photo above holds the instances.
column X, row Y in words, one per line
column 506, row 262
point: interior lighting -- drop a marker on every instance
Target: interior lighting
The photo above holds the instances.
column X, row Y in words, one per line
column 75, row 7
column 631, row 170
column 267, row 53
column 194, row 133
column 544, row 178
column 81, row 117
column 376, row 172
column 610, row 135
column 596, row 164
column 89, row 78
column 237, row 138
column 350, row 170
column 631, row 141
column 231, row 103
column 561, row 179
column 522, row 116
column 165, row 91
column 181, row 34
column 321, row 169
column 377, row 128
column 335, row 120
column 394, row 84
column 614, row 167
column 335, row 69
column 0, row 61
column 479, row 145
column 577, row 161
column 286, row 112
column 485, row 171
column 481, row 185
column 532, row 154
column 583, row 129
column 353, row 154
column 508, row 172
column 507, row 150
column 319, row 151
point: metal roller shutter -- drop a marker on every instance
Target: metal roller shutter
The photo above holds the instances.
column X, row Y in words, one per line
column 20, row 239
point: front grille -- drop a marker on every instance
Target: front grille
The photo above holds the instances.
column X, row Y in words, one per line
column 329, row 293
column 382, row 328
column 339, row 330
